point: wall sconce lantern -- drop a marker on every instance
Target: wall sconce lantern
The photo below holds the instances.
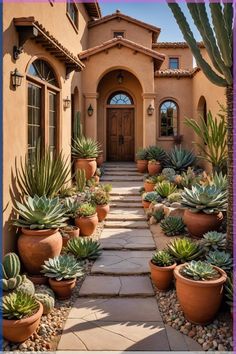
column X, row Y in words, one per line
column 90, row 110
column 150, row 110
column 120, row 78
column 16, row 78
column 66, row 102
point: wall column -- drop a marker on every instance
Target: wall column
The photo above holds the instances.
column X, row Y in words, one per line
column 149, row 121
column 91, row 121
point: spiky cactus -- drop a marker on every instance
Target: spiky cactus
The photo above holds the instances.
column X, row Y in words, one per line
column 80, row 178
column 78, row 127
column 27, row 287
column 47, row 301
column 11, row 272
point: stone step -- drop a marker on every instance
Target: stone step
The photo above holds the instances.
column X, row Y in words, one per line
column 126, row 198
column 121, row 173
column 112, row 286
column 109, row 178
column 126, row 224
column 125, row 205
column 126, row 215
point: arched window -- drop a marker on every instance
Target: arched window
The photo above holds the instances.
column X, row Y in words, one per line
column 120, row 98
column 168, row 118
column 43, row 100
column 202, row 108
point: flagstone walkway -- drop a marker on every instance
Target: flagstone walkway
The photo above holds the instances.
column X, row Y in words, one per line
column 117, row 309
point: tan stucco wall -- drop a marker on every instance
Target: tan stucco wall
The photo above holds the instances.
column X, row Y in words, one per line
column 184, row 54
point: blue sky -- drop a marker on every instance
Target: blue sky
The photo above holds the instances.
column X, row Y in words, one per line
column 157, row 14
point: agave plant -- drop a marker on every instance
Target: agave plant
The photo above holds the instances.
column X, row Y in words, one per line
column 184, row 250
column 172, row 225
column 156, row 153
column 220, row 259
column 158, row 215
column 165, row 188
column 218, row 180
column 18, row 305
column 72, row 206
column 84, row 248
column 214, row 240
column 62, row 267
column 198, row 270
column 152, row 197
column 229, row 290
column 142, row 154
column 84, row 148
column 40, row 213
column 162, row 259
column 180, row 159
column 207, row 199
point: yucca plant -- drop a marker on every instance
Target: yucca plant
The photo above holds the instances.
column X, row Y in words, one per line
column 229, row 290
column 184, row 250
column 165, row 188
column 152, row 197
column 156, row 153
column 62, row 267
column 213, row 241
column 220, row 259
column 162, row 259
column 180, row 159
column 158, row 215
column 19, row 305
column 85, row 148
column 142, row 154
column 40, row 213
column 84, row 248
column 86, row 209
column 198, row 270
column 172, row 225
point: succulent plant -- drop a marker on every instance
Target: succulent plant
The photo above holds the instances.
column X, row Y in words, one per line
column 174, row 197
column 158, row 215
column 152, row 197
column 26, row 287
column 172, row 225
column 218, row 180
column 156, row 153
column 85, row 148
column 84, row 248
column 165, row 188
column 198, row 270
column 43, row 289
column 62, row 267
column 11, row 272
column 86, row 209
column 152, row 179
column 40, row 213
column 80, row 179
column 180, row 159
column 12, row 283
column 169, row 174
column 187, row 179
column 229, row 290
column 162, row 259
column 66, row 192
column 47, row 301
column 72, row 206
column 142, row 154
column 18, row 305
column 184, row 250
column 214, row 240
column 100, row 197
column 207, row 199
column 220, row 259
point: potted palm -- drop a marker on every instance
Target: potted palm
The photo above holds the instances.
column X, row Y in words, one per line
column 162, row 266
column 21, row 316
column 101, row 199
column 141, row 161
column 62, row 272
column 39, row 219
column 87, row 219
column 199, row 287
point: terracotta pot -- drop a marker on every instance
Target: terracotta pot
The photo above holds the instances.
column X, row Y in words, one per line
column 162, row 277
column 142, row 166
column 200, row 223
column 102, row 211
column 146, row 205
column 18, row 331
column 36, row 246
column 37, row 279
column 87, row 224
column 154, row 168
column 89, row 165
column 149, row 187
column 199, row 300
column 99, row 160
column 63, row 288
column 73, row 233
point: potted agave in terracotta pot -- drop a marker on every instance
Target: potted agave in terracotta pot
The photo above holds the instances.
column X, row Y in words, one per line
column 101, row 199
column 87, row 219
column 148, row 198
column 162, row 266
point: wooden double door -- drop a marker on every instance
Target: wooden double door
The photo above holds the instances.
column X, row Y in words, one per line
column 120, row 134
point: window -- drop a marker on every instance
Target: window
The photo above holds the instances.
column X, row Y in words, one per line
column 72, row 12
column 173, row 63
column 120, row 98
column 42, row 106
column 168, row 119
column 118, row 34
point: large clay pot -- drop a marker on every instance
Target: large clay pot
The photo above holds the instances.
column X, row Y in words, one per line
column 200, row 223
column 199, row 300
column 99, row 160
column 146, row 204
column 142, row 166
column 89, row 165
column 36, row 246
column 102, row 211
column 162, row 277
column 18, row 331
column 149, row 187
column 87, row 224
column 68, row 234
column 63, row 288
column 154, row 168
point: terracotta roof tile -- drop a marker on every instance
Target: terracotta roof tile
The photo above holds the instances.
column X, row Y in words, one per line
column 174, row 45
column 177, row 72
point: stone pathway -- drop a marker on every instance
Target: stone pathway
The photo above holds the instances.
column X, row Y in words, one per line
column 117, row 308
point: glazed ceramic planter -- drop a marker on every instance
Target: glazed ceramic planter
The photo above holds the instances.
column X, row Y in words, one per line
column 63, row 288
column 89, row 165
column 142, row 166
column 87, row 224
column 162, row 277
column 99, row 160
column 149, row 187
column 18, row 331
column 199, row 300
column 37, row 246
column 146, row 205
column 200, row 223
column 154, row 168
column 102, row 211
column 73, row 233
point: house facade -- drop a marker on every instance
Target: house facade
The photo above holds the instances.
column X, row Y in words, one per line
column 131, row 90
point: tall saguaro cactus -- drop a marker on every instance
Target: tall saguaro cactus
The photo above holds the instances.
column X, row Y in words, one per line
column 218, row 41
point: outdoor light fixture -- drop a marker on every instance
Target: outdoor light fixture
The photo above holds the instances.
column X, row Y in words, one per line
column 150, row 110
column 66, row 102
column 90, row 110
column 120, row 78
column 16, row 78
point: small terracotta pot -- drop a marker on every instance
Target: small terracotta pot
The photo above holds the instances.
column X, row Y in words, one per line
column 142, row 166
column 89, row 165
column 37, row 279
column 149, row 187
column 154, row 168
column 63, row 288
column 37, row 246
column 146, row 205
column 18, row 331
column 71, row 234
column 200, row 223
column 87, row 224
column 99, row 160
column 162, row 277
column 199, row 300
column 102, row 211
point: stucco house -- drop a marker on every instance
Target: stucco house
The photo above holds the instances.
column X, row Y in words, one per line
column 131, row 89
